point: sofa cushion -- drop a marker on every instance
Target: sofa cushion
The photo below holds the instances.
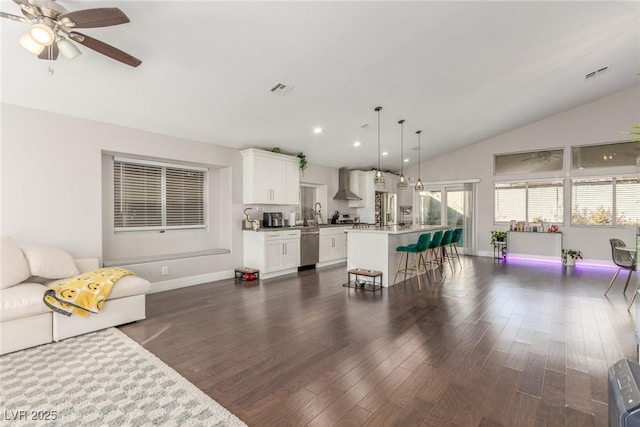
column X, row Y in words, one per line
column 50, row 262
column 22, row 300
column 14, row 267
column 125, row 287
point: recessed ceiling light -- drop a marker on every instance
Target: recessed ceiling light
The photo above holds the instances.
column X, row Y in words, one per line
column 356, row 144
column 384, row 153
column 406, row 160
column 317, row 130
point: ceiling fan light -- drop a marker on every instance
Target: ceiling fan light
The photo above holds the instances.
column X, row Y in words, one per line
column 42, row 34
column 67, row 49
column 27, row 42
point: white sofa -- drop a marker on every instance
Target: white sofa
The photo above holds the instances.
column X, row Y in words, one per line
column 25, row 273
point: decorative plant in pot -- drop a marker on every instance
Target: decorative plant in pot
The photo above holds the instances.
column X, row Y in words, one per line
column 303, row 161
column 499, row 236
column 569, row 256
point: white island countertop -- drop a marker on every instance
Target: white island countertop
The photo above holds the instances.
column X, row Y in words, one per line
column 395, row 229
column 375, row 248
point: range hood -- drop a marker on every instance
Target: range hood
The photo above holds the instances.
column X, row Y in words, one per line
column 343, row 186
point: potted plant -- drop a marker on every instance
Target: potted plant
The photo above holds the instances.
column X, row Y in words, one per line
column 303, row 161
column 499, row 241
column 498, row 236
column 569, row 257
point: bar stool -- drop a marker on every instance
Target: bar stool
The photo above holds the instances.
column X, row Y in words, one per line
column 433, row 245
column 453, row 246
column 417, row 249
column 444, row 243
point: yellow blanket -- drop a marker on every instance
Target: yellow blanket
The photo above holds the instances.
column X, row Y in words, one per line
column 85, row 293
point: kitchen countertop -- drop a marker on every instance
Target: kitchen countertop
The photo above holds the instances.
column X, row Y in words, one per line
column 301, row 227
column 395, row 229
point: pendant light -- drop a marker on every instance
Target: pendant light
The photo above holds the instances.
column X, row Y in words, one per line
column 402, row 183
column 419, row 184
column 377, row 177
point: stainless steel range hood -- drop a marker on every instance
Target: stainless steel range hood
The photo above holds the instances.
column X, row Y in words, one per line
column 343, row 186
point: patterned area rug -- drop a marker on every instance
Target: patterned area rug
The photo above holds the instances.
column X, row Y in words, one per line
column 100, row 379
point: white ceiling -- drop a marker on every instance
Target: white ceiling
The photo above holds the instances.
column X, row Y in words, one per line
column 460, row 71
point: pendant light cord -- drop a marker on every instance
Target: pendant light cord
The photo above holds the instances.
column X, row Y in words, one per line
column 401, row 147
column 378, row 110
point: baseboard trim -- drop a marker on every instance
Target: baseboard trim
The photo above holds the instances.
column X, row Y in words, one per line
column 184, row 282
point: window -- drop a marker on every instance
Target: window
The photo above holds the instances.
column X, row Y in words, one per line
column 157, row 196
column 614, row 154
column 528, row 162
column 530, row 201
column 430, row 207
column 605, row 201
column 308, row 200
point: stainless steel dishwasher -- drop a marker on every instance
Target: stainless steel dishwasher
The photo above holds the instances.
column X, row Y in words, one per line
column 309, row 247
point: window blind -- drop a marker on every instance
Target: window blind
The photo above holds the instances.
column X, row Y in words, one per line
column 591, row 201
column 606, row 201
column 157, row 196
column 531, row 201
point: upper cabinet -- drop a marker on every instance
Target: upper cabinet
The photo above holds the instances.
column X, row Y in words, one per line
column 270, row 178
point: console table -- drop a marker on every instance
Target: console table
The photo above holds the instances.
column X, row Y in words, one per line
column 532, row 245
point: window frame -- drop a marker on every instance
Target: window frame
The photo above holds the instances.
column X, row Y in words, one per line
column 614, row 207
column 163, row 196
column 526, row 183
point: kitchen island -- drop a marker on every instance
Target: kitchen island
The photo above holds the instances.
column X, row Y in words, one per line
column 375, row 248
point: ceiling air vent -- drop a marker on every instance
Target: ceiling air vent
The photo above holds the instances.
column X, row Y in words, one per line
column 596, row 73
column 280, row 89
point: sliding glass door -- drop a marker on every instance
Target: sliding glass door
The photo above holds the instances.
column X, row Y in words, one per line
column 450, row 206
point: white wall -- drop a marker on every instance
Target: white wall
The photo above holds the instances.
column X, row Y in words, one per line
column 51, row 186
column 601, row 121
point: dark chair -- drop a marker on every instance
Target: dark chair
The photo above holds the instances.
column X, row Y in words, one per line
column 622, row 259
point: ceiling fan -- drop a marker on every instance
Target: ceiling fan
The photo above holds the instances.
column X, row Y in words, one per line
column 50, row 23
column 541, row 157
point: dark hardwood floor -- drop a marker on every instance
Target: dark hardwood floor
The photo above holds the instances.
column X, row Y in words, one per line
column 494, row 344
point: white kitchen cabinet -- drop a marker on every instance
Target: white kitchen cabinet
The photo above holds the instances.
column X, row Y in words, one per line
column 333, row 245
column 270, row 178
column 274, row 253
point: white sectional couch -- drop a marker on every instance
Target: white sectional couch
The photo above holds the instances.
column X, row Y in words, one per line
column 25, row 273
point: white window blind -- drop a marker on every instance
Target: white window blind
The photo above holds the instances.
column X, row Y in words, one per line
column 157, row 196
column 607, row 201
column 545, row 201
column 531, row 201
column 510, row 202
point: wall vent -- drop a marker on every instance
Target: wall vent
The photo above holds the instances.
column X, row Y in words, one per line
column 280, row 89
column 596, row 73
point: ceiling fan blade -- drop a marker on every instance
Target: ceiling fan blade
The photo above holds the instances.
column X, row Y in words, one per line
column 105, row 49
column 93, row 18
column 14, row 17
column 50, row 52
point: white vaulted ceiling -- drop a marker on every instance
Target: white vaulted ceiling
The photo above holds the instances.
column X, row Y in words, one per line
column 460, row 71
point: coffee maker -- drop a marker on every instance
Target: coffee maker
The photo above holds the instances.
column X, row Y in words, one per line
column 272, row 219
